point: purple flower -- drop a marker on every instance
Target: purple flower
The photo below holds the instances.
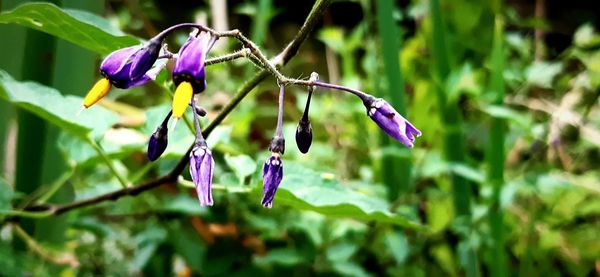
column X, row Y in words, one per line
column 119, row 70
column 272, row 175
column 189, row 66
column 117, row 67
column 391, row 122
column 201, row 169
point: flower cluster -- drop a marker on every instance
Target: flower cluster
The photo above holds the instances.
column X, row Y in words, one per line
column 137, row 65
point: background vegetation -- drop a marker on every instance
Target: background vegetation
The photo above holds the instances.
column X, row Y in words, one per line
column 504, row 180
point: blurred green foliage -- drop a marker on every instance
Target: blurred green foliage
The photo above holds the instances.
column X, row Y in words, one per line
column 504, row 180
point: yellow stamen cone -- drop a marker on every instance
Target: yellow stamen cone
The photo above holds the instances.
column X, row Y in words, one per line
column 98, row 91
column 181, row 99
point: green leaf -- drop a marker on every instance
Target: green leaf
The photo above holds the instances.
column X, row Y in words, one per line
column 306, row 189
column 341, row 252
column 332, row 37
column 53, row 107
column 542, row 74
column 187, row 243
column 397, row 245
column 285, row 257
column 80, row 28
column 242, row 165
column 507, row 113
column 346, row 268
column 183, row 204
column 586, row 36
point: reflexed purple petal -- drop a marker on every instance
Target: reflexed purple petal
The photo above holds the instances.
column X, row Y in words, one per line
column 117, row 67
column 143, row 60
column 201, row 170
column 115, row 61
column 392, row 123
column 272, row 176
column 126, row 83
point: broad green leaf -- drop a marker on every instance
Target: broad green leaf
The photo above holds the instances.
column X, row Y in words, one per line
column 542, row 74
column 53, row 107
column 434, row 166
column 147, row 243
column 397, row 245
column 286, row 257
column 306, row 189
column 586, row 36
column 188, row 244
column 242, row 165
column 507, row 113
column 341, row 252
column 78, row 27
column 346, row 268
column 183, row 204
column 332, row 37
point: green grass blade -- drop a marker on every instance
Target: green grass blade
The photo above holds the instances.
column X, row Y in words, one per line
column 37, row 66
column 454, row 143
column 495, row 154
column 396, row 170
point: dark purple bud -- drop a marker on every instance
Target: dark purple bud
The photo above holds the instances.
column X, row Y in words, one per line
column 116, row 67
column 145, row 57
column 272, row 175
column 189, row 66
column 304, row 135
column 304, row 130
column 391, row 122
column 201, row 170
column 158, row 143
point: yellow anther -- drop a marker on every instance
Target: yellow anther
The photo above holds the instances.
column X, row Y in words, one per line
column 98, row 91
column 181, row 99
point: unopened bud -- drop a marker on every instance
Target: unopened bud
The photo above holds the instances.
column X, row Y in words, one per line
column 304, row 135
column 158, row 143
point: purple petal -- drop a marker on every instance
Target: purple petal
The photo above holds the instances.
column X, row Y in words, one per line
column 201, row 170
column 144, row 58
column 204, row 189
column 115, row 61
column 191, row 58
column 392, row 123
column 272, row 176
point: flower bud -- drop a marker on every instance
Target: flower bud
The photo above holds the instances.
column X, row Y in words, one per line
column 304, row 130
column 304, row 135
column 390, row 121
column 272, row 176
column 158, row 142
column 201, row 170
